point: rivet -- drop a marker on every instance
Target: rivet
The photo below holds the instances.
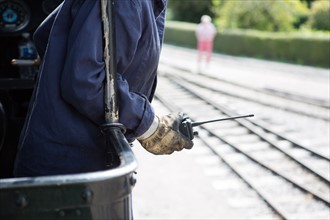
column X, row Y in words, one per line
column 87, row 195
column 61, row 213
column 133, row 180
column 21, row 201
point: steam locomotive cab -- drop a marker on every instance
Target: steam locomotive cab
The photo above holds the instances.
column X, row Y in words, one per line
column 97, row 195
column 19, row 65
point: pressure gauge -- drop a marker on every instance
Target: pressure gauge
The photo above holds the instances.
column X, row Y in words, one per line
column 14, row 15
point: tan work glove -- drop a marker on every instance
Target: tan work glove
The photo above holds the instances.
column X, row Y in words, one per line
column 167, row 137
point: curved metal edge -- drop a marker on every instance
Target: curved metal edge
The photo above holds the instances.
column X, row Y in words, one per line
column 128, row 164
column 3, row 125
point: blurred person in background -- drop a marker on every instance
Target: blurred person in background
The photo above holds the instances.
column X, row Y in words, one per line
column 205, row 33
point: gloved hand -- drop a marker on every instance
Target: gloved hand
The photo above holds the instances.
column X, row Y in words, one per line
column 167, row 137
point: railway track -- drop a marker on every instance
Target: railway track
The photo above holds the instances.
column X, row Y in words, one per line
column 299, row 126
column 289, row 102
column 291, row 178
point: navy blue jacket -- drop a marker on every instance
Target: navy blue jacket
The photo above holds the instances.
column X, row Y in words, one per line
column 61, row 133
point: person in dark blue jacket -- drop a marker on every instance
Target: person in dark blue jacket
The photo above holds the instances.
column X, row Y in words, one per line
column 62, row 134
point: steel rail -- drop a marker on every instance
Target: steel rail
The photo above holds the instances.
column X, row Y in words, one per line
column 303, row 188
column 293, row 142
column 290, row 109
column 251, row 126
column 322, row 198
column 272, row 92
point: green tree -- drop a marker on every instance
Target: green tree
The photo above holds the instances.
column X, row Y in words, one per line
column 319, row 17
column 190, row 10
column 308, row 2
column 265, row 15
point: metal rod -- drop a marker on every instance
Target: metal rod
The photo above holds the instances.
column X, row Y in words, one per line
column 193, row 124
column 111, row 113
column 110, row 84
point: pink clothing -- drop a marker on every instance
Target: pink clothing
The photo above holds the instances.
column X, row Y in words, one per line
column 205, row 46
column 205, row 34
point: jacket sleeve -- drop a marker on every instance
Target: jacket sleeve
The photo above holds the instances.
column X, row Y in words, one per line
column 83, row 75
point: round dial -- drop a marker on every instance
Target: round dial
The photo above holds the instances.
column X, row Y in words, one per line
column 14, row 15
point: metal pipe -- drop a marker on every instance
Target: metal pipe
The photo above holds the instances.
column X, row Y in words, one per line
column 110, row 86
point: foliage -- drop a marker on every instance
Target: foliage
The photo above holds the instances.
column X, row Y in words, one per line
column 266, row 15
column 308, row 2
column 190, row 10
column 319, row 17
column 308, row 48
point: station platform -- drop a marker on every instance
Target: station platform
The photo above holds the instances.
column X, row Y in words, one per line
column 176, row 187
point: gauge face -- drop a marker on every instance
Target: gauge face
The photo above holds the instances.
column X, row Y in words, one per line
column 14, row 15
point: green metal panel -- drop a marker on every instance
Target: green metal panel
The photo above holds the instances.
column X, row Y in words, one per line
column 90, row 196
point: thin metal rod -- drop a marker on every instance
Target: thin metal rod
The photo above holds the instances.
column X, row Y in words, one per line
column 110, row 83
column 193, row 124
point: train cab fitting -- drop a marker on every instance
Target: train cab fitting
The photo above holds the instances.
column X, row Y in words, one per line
column 19, row 65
